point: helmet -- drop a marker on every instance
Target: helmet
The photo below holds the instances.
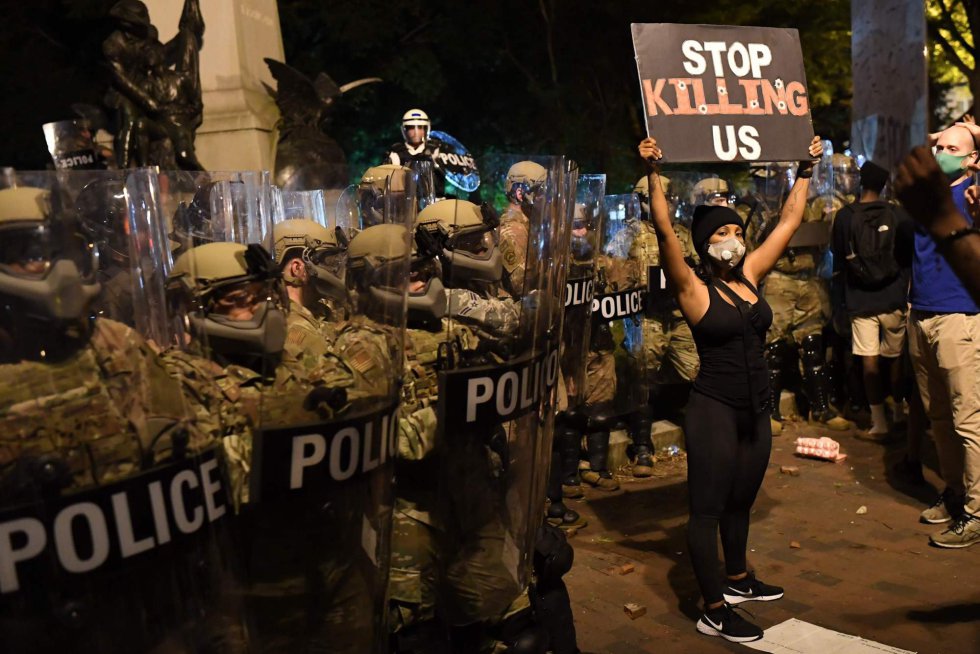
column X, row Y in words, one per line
column 462, row 237
column 847, row 175
column 205, row 277
column 525, row 177
column 103, row 213
column 710, row 190
column 376, row 259
column 413, row 118
column 642, row 190
column 318, row 248
column 378, row 183
column 762, row 171
column 47, row 263
column 192, row 224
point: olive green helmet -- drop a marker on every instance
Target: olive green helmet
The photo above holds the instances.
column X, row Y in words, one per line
column 202, row 275
column 524, row 180
column 377, row 260
column 847, row 175
column 47, row 264
column 381, row 191
column 710, row 190
column 642, row 190
column 320, row 250
column 462, row 238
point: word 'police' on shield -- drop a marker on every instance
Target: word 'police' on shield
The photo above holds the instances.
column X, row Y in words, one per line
column 723, row 93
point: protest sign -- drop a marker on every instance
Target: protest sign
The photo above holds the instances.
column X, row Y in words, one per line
column 723, row 93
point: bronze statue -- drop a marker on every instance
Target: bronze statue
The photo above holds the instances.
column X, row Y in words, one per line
column 156, row 87
column 306, row 157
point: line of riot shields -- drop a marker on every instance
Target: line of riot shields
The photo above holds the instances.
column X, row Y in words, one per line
column 238, row 418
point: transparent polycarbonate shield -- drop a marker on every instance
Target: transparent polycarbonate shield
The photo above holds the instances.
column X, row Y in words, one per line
column 71, row 145
column 762, row 201
column 314, row 424
column 456, row 163
column 427, row 191
column 586, row 234
column 205, row 207
column 618, row 386
column 498, row 368
column 311, row 205
column 115, row 497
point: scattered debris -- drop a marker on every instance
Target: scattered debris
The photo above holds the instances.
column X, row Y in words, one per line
column 862, row 510
column 626, row 568
column 820, row 448
column 634, row 611
column 793, row 471
column 795, row 544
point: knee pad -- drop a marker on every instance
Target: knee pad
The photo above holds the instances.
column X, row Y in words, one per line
column 553, row 556
column 812, row 351
column 522, row 634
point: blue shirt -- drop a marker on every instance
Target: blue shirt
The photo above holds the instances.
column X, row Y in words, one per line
column 935, row 287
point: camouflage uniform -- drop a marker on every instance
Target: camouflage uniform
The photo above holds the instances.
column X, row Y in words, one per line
column 666, row 335
column 107, row 413
column 800, row 301
column 513, row 233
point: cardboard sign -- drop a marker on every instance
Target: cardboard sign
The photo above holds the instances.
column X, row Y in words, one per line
column 723, row 93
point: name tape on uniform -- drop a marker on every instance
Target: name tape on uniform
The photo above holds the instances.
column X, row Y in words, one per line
column 490, row 395
column 95, row 530
column 622, row 304
column 579, row 292
column 293, row 459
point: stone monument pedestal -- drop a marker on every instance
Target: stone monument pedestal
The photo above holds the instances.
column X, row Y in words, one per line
column 238, row 132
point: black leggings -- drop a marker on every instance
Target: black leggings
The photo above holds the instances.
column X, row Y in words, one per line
column 727, row 454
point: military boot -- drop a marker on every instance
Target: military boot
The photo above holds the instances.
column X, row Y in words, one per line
column 776, row 363
column 557, row 513
column 640, row 424
column 597, row 475
column 816, row 384
column 570, row 450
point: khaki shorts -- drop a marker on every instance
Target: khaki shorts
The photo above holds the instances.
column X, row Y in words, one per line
column 880, row 335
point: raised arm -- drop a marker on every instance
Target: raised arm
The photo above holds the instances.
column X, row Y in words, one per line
column 761, row 260
column 924, row 191
column 681, row 276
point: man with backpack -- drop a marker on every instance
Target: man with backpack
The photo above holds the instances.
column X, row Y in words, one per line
column 872, row 247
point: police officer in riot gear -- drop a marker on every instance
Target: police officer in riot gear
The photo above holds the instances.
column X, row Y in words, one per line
column 800, row 299
column 524, row 180
column 110, row 422
column 312, row 261
column 418, row 145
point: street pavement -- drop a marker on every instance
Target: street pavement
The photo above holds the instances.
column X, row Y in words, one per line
column 871, row 574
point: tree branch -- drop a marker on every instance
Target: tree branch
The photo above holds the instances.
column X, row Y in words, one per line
column 950, row 25
column 950, row 51
column 550, row 42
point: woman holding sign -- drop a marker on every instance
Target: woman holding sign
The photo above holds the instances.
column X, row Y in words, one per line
column 727, row 430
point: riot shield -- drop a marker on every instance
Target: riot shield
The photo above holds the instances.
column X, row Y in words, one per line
column 314, row 430
column 618, row 310
column 379, row 198
column 587, row 230
column 71, row 145
column 215, row 206
column 114, row 500
column 456, row 163
column 498, row 367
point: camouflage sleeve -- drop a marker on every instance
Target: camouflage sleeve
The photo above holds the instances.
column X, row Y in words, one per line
column 513, row 250
column 417, row 434
column 494, row 315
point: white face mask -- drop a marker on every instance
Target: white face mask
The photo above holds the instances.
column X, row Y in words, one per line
column 728, row 252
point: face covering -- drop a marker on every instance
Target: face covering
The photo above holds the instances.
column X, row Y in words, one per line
column 952, row 166
column 728, row 252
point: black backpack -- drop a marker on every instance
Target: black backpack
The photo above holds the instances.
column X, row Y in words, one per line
column 870, row 256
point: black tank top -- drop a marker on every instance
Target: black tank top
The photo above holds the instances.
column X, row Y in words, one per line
column 730, row 343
